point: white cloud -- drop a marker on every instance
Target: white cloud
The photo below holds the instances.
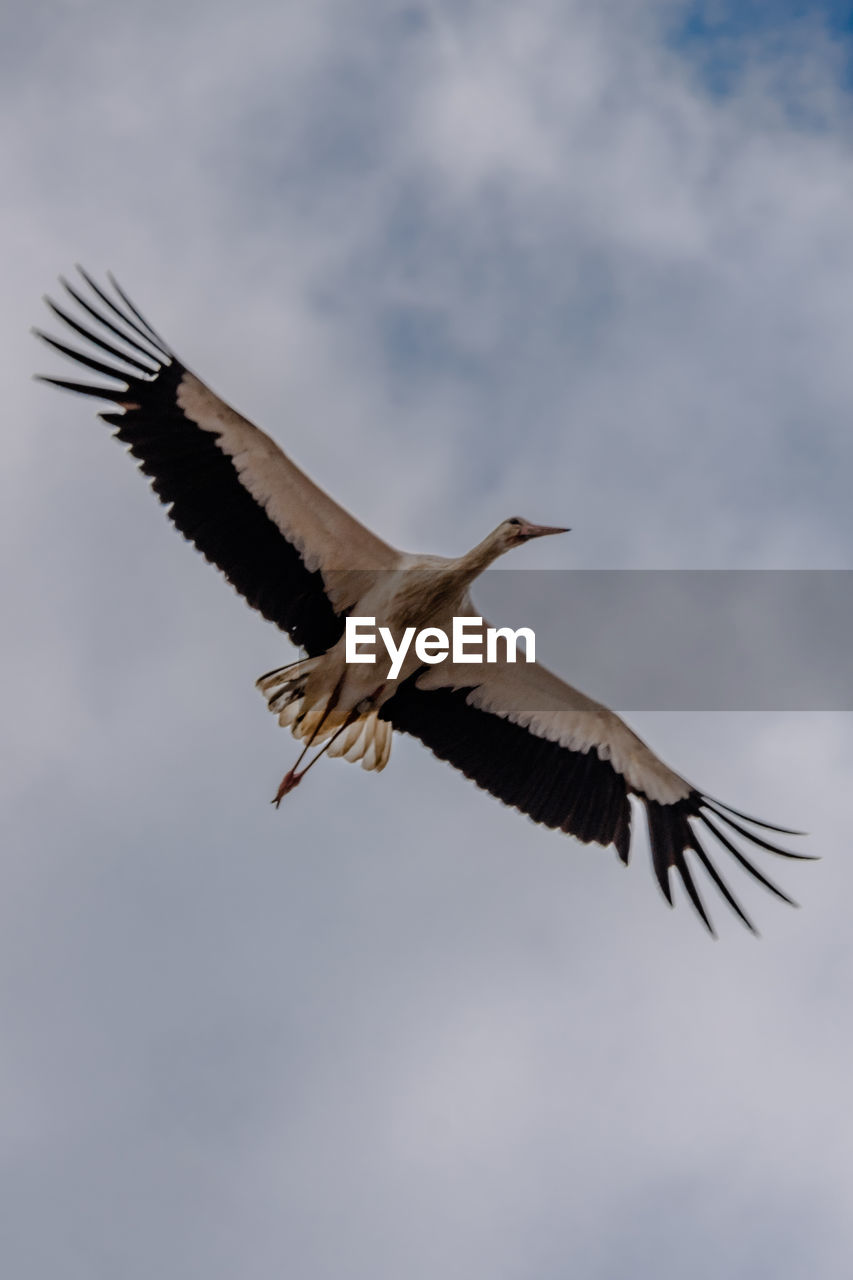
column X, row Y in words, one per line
column 462, row 261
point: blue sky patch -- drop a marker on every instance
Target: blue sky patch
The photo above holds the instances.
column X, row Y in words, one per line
column 722, row 36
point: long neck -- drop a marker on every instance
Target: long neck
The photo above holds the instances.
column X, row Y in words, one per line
column 472, row 564
column 441, row 586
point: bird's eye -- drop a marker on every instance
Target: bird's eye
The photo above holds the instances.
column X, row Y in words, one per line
column 514, row 520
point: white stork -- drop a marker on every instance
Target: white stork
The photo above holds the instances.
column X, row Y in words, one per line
column 516, row 730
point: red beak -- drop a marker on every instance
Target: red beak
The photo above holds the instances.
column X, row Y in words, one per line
column 540, row 530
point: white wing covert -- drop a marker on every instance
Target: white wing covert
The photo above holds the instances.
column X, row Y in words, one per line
column 288, row 548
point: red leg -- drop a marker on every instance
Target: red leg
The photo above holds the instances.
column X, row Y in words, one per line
column 290, row 780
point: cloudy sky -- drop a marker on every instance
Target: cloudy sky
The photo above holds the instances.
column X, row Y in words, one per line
column 588, row 260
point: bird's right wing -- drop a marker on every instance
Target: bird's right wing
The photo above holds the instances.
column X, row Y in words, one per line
column 526, row 736
column 294, row 553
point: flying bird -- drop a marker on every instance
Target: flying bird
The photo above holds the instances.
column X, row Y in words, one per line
column 517, row 730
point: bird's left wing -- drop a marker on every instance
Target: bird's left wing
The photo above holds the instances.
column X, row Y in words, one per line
column 526, row 736
column 294, row 553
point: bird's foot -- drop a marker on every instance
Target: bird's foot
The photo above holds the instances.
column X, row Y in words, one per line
column 290, row 780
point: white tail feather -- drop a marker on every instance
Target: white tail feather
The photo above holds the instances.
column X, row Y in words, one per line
column 367, row 739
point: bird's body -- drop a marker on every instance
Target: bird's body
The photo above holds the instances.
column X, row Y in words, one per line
column 516, row 729
column 327, row 695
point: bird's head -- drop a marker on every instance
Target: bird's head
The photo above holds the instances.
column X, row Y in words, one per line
column 514, row 531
